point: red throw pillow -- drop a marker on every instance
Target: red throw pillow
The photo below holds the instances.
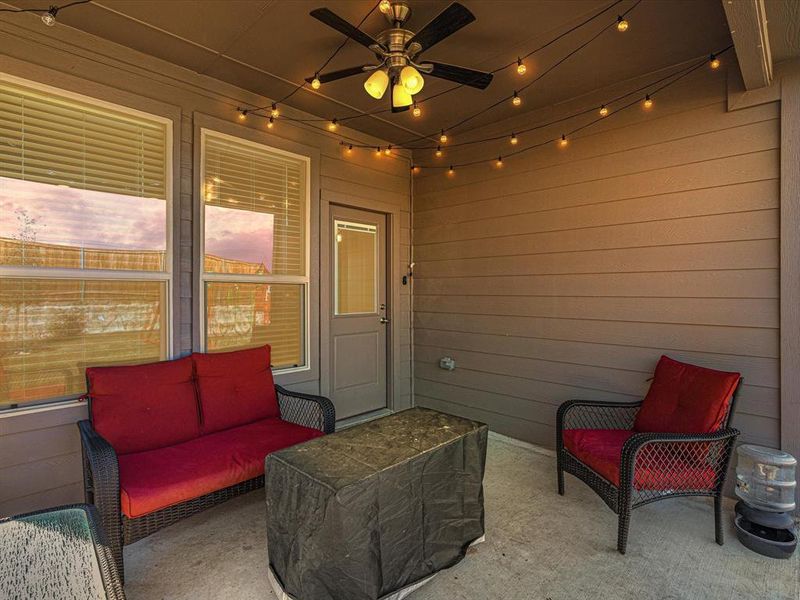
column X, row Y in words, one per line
column 685, row 398
column 235, row 388
column 144, row 407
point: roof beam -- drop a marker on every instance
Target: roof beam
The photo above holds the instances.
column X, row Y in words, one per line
column 747, row 20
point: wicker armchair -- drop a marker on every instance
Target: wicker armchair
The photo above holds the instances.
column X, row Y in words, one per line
column 101, row 475
column 641, row 467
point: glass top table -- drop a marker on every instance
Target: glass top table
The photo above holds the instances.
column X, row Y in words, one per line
column 57, row 553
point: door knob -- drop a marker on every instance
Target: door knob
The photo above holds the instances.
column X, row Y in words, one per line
column 384, row 320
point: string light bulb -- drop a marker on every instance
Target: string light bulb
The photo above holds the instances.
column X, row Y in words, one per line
column 713, row 62
column 499, row 162
column 563, row 141
column 622, row 24
column 516, row 100
column 378, row 152
column 443, row 137
column 349, row 149
column 49, row 18
column 603, row 111
column 514, row 139
column 451, row 171
column 274, row 112
column 521, row 68
column 648, row 101
column 416, row 111
column 242, row 114
column 333, row 125
column 438, row 152
column 271, row 123
column 415, row 169
column 316, row 83
column 385, row 7
column 388, row 151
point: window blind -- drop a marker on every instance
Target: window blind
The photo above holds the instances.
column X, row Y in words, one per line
column 63, row 141
column 243, row 177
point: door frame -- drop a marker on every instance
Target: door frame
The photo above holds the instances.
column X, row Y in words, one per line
column 394, row 274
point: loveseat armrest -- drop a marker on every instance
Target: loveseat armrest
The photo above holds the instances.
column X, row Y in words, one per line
column 101, row 485
column 595, row 414
column 679, row 463
column 316, row 412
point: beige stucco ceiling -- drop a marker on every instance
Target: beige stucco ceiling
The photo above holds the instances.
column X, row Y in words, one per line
column 268, row 45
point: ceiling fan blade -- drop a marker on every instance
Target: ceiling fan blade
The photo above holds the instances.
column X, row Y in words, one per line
column 333, row 20
column 450, row 20
column 334, row 75
column 462, row 75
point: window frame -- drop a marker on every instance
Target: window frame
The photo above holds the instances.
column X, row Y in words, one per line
column 303, row 280
column 166, row 276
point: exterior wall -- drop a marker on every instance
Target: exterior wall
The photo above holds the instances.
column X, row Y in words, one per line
column 568, row 272
column 39, row 448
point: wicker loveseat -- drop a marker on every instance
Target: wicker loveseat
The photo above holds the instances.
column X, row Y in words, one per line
column 169, row 439
column 676, row 442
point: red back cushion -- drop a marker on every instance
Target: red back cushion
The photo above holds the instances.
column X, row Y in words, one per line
column 685, row 398
column 144, row 407
column 235, row 388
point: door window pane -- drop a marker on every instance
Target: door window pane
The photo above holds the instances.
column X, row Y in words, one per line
column 52, row 329
column 356, row 273
column 246, row 315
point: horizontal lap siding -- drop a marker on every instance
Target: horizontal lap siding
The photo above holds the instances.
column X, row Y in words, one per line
column 568, row 273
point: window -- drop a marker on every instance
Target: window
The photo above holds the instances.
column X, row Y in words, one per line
column 356, row 264
column 255, row 248
column 84, row 240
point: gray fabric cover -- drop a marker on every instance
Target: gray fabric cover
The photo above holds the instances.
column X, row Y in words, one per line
column 367, row 511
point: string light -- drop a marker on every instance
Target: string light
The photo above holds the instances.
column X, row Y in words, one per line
column 516, row 100
column 603, row 111
column 415, row 169
column 274, row 112
column 714, row 62
column 316, row 83
column 388, row 151
column 563, row 141
column 333, row 125
column 443, row 137
column 622, row 24
column 49, row 18
column 242, row 114
column 499, row 162
column 514, row 139
column 451, row 171
column 648, row 102
column 416, row 111
column 385, row 6
column 349, row 149
column 271, row 123
column 377, row 152
column 521, row 68
column 438, row 152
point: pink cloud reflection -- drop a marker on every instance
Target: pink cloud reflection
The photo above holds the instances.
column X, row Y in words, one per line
column 239, row 235
column 56, row 214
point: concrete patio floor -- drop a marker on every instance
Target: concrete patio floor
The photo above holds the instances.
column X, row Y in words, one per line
column 539, row 546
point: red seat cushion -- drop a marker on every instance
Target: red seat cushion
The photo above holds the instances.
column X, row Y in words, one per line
column 144, row 407
column 150, row 481
column 235, row 388
column 685, row 398
column 658, row 467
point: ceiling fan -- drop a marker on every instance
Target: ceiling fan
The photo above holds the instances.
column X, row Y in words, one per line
column 398, row 53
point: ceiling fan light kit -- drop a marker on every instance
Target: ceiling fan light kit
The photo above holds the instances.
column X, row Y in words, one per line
column 398, row 51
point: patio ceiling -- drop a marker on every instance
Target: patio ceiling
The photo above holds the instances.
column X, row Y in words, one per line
column 267, row 46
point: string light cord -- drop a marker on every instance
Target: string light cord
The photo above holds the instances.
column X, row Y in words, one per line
column 361, row 114
column 647, row 86
column 44, row 10
column 552, row 67
column 675, row 78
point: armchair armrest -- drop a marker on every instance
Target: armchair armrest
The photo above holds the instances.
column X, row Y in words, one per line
column 316, row 412
column 677, row 461
column 595, row 414
column 101, row 485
